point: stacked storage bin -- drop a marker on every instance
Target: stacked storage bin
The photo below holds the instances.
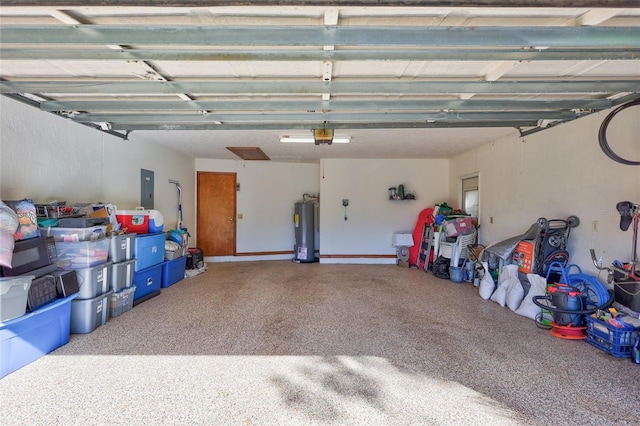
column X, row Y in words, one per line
column 81, row 245
column 34, row 320
column 173, row 270
column 174, row 265
column 121, row 277
column 26, row 338
column 149, row 254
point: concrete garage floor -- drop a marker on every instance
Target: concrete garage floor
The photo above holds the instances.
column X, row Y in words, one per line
column 266, row 343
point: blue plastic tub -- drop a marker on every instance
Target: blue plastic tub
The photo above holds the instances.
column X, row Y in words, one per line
column 456, row 274
column 148, row 250
column 147, row 282
column 31, row 336
column 173, row 271
column 613, row 340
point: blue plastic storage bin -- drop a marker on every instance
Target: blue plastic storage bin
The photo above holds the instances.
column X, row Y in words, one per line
column 147, row 283
column 613, row 340
column 148, row 250
column 173, row 271
column 31, row 336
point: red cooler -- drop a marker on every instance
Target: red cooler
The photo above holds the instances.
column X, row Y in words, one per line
column 134, row 221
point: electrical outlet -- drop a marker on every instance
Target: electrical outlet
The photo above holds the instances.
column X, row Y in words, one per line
column 345, row 202
column 594, row 226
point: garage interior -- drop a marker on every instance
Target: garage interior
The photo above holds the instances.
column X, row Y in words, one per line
column 429, row 94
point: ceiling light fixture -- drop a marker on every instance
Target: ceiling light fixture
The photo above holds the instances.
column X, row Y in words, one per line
column 320, row 136
column 311, row 139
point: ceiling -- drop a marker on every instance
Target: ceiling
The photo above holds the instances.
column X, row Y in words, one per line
column 403, row 82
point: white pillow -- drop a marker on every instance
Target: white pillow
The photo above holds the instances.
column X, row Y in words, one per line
column 538, row 288
column 486, row 285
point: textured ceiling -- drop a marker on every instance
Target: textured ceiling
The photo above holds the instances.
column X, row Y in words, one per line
column 403, row 82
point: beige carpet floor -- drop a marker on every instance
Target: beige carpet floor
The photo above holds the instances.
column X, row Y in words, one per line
column 280, row 343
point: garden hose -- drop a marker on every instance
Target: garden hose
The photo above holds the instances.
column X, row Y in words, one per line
column 602, row 135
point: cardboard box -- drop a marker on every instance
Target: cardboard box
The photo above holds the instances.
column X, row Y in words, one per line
column 102, row 212
column 523, row 256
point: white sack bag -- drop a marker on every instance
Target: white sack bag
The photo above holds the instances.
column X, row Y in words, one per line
column 515, row 291
column 504, row 281
column 487, row 286
column 538, row 288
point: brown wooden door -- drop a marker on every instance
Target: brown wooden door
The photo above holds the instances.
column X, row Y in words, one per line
column 216, row 213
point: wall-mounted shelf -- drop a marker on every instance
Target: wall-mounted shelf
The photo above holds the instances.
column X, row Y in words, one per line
column 399, row 194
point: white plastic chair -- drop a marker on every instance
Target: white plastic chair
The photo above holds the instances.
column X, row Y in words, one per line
column 457, row 249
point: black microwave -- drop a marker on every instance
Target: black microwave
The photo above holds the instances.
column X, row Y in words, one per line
column 31, row 255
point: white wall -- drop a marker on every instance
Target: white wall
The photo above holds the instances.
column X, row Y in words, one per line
column 45, row 157
column 556, row 173
column 268, row 192
column 372, row 217
column 48, row 158
column 122, row 187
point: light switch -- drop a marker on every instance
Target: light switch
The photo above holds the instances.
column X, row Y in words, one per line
column 239, row 215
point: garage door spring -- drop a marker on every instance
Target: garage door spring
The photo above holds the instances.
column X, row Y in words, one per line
column 602, row 135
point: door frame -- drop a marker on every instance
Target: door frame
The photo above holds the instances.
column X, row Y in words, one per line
column 460, row 195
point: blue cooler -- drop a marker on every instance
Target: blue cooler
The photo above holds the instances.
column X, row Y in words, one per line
column 156, row 221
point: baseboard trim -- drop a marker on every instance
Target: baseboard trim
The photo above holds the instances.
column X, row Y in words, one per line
column 289, row 255
column 368, row 259
column 358, row 256
column 265, row 253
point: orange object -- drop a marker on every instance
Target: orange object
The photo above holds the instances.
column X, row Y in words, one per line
column 523, row 256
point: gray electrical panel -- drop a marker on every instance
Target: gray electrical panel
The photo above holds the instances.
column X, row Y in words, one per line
column 146, row 189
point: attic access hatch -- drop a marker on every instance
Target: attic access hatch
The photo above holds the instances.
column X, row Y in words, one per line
column 249, row 152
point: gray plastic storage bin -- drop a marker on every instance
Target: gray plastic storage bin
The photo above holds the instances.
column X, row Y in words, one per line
column 121, row 247
column 121, row 302
column 93, row 281
column 121, row 275
column 13, row 296
column 87, row 315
